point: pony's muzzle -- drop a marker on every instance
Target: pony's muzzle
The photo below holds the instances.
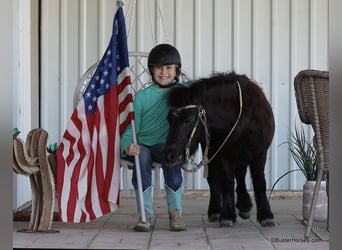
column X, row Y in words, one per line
column 172, row 158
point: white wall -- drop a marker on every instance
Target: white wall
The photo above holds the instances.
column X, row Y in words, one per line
column 26, row 82
column 267, row 40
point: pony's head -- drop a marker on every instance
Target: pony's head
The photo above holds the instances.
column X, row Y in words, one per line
column 187, row 125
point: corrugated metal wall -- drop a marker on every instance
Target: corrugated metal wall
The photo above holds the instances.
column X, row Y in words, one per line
column 268, row 40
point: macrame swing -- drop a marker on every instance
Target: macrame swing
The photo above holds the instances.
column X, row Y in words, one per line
column 140, row 78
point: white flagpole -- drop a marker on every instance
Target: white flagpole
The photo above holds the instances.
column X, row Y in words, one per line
column 138, row 175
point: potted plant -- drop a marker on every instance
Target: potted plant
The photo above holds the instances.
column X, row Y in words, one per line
column 304, row 154
column 305, row 157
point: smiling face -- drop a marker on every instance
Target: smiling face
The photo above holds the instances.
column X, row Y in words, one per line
column 165, row 74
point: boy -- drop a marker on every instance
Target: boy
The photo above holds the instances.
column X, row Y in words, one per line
column 151, row 109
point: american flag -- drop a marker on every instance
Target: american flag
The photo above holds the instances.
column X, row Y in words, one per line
column 88, row 159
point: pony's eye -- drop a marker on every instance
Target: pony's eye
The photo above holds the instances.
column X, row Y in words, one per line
column 188, row 120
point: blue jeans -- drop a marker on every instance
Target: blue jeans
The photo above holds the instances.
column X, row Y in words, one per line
column 148, row 154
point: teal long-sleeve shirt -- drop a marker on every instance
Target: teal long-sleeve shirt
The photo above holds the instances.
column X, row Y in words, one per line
column 150, row 111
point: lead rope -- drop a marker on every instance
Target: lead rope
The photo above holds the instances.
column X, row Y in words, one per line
column 204, row 162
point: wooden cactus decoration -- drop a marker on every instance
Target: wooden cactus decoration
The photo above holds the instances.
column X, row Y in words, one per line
column 30, row 158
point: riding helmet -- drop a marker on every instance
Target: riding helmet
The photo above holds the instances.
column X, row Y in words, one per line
column 164, row 54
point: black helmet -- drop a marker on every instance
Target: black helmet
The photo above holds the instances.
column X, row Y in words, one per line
column 164, row 54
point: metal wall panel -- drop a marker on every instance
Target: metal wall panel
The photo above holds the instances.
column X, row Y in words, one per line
column 267, row 40
column 26, row 105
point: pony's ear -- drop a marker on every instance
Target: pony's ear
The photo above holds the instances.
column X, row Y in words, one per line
column 178, row 96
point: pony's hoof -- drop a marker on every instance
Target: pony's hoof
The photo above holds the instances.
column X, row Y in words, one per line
column 214, row 217
column 244, row 215
column 226, row 223
column 267, row 223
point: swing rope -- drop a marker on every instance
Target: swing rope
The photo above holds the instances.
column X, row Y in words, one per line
column 163, row 21
column 159, row 15
column 130, row 6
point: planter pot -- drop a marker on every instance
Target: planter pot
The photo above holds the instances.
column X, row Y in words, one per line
column 321, row 210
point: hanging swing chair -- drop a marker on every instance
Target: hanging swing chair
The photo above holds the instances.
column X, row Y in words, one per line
column 140, row 79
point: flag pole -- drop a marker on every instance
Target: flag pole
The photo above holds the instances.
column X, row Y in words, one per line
column 120, row 3
column 138, row 175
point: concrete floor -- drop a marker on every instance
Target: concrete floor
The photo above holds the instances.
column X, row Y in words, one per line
column 114, row 231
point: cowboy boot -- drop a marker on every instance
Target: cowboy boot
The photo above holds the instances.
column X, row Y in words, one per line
column 174, row 203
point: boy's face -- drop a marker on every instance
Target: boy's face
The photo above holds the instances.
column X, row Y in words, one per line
column 164, row 74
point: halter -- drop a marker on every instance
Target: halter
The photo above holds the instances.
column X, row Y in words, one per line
column 201, row 116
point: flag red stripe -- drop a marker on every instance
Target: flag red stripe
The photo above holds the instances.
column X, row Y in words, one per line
column 126, row 101
column 90, row 166
column 74, row 195
column 60, row 175
column 126, row 122
column 124, row 83
column 102, row 163
column 110, row 101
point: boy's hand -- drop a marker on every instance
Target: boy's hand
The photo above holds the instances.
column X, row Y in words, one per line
column 133, row 150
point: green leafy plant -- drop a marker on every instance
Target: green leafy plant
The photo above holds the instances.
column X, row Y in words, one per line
column 52, row 148
column 305, row 156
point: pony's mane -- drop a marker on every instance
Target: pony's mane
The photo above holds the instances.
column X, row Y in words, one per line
column 182, row 95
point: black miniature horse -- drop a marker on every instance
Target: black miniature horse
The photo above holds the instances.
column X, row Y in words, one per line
column 234, row 112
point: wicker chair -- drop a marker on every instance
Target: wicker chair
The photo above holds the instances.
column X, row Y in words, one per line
column 312, row 96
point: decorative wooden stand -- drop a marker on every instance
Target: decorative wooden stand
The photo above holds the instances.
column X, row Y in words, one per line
column 30, row 158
